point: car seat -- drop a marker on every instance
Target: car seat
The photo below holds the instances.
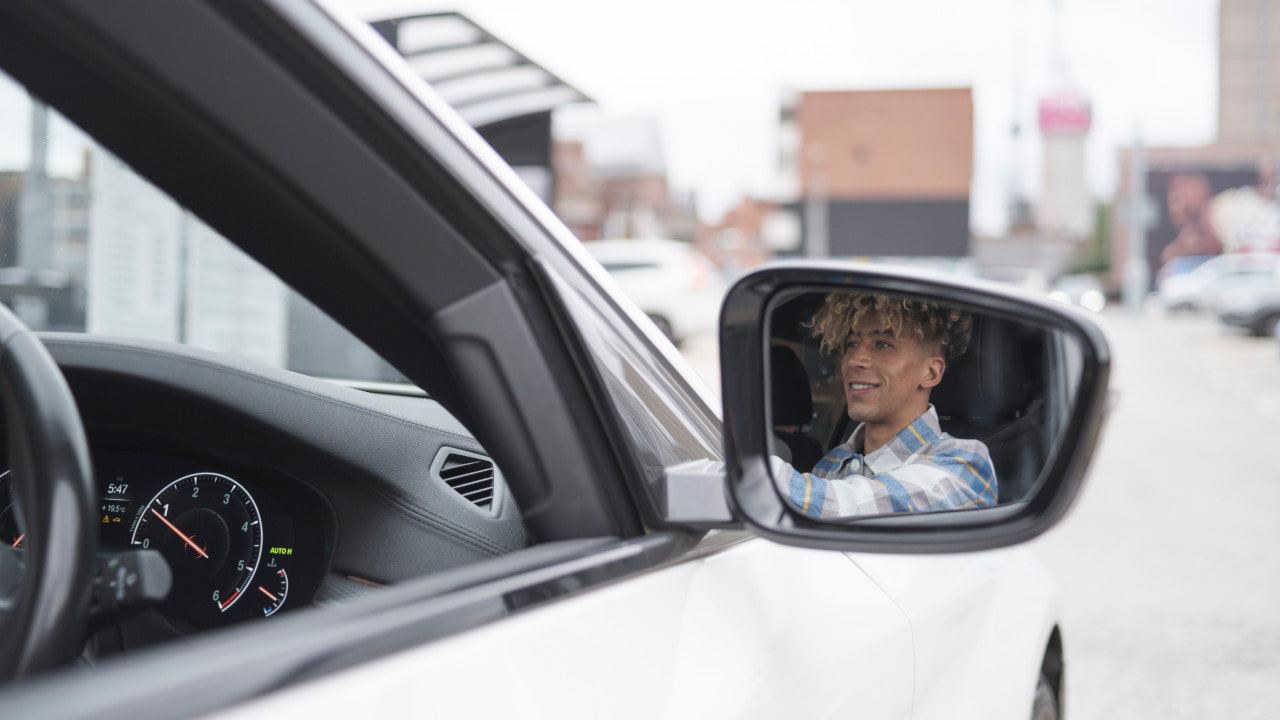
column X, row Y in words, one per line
column 995, row 393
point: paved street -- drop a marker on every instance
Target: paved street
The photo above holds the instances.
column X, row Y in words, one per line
column 1170, row 562
column 1169, row 565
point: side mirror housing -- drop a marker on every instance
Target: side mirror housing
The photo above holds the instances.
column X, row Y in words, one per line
column 1028, row 387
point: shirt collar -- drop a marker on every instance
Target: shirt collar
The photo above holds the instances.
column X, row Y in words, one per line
column 922, row 432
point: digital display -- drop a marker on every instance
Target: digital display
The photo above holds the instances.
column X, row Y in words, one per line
column 115, row 510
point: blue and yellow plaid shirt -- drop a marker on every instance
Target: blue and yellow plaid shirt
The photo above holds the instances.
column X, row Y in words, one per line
column 921, row 470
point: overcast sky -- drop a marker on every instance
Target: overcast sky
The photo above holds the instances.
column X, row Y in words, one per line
column 713, row 72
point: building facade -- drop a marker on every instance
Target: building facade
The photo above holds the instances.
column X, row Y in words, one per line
column 882, row 172
column 1248, row 71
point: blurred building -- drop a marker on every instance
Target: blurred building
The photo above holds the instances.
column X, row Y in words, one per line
column 1220, row 197
column 504, row 95
column 750, row 233
column 68, row 206
column 1066, row 208
column 44, row 230
column 1198, row 201
column 611, row 181
column 604, row 178
column 881, row 172
column 1248, row 71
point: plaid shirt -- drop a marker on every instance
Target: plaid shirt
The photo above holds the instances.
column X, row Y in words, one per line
column 921, row 470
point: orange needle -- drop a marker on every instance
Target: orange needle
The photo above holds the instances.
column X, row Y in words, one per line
column 182, row 535
column 18, row 542
column 264, row 592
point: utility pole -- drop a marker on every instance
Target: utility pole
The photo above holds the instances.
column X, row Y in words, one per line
column 34, row 228
column 816, row 206
column 1137, row 276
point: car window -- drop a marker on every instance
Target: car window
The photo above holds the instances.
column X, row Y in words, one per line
column 665, row 422
column 87, row 245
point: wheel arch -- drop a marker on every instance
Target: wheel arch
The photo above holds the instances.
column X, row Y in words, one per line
column 1053, row 667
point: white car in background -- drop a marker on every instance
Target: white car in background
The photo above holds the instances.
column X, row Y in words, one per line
column 676, row 285
column 1202, row 288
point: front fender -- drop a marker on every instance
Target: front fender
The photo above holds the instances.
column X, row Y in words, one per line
column 980, row 625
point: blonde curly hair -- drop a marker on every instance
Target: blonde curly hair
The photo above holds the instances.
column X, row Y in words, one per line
column 927, row 322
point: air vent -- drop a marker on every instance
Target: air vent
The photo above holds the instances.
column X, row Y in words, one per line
column 469, row 476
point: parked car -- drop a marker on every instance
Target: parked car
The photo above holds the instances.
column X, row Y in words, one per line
column 1199, row 288
column 1028, row 279
column 1254, row 306
column 1083, row 290
column 677, row 286
column 1180, row 266
column 523, row 502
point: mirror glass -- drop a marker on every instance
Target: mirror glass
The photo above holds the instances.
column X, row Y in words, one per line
column 886, row 404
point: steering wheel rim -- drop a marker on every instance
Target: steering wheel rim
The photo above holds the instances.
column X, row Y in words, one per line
column 52, row 480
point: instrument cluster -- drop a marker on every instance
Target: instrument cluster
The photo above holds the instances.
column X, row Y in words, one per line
column 241, row 543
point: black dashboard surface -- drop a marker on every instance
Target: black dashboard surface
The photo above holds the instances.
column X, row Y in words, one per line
column 268, row 490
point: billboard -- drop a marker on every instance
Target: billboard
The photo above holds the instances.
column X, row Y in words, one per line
column 1211, row 210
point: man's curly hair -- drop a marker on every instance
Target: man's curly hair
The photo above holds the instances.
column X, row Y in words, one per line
column 927, row 322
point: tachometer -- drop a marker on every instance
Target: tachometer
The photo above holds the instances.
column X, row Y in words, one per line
column 208, row 527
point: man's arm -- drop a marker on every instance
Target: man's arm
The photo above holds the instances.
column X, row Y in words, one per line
column 952, row 478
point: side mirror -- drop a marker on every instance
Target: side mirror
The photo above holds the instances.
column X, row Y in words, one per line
column 830, row 445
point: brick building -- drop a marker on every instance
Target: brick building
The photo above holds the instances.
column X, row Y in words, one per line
column 887, row 171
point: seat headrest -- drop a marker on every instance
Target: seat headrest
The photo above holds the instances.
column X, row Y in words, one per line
column 989, row 383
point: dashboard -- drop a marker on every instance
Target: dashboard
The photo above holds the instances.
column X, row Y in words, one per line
column 239, row 543
column 267, row 491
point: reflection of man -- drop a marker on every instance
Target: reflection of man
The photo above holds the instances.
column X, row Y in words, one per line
column 898, row 460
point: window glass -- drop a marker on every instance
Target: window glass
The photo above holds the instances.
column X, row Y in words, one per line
column 664, row 421
column 87, row 245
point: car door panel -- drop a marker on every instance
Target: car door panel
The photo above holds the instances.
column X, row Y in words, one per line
column 755, row 630
column 979, row 619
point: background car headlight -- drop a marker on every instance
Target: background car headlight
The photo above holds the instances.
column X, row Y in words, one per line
column 1093, row 300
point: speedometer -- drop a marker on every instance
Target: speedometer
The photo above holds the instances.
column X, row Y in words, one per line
column 208, row 527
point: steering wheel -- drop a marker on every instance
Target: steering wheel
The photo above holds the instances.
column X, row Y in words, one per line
column 45, row 586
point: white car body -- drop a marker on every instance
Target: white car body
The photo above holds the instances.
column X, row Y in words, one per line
column 1201, row 288
column 725, row 625
column 758, row 630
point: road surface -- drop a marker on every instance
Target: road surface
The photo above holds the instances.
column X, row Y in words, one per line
column 1169, row 564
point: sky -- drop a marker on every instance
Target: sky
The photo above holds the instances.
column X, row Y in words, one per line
column 713, row 74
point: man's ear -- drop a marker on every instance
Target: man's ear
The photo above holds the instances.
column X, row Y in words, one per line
column 934, row 368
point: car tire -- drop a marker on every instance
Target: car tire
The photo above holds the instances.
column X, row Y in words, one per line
column 1045, row 706
column 1267, row 328
column 664, row 325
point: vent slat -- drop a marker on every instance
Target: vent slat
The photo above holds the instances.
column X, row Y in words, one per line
column 462, row 477
column 464, row 468
column 470, row 477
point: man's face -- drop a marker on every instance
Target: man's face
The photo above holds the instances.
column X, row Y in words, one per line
column 887, row 379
